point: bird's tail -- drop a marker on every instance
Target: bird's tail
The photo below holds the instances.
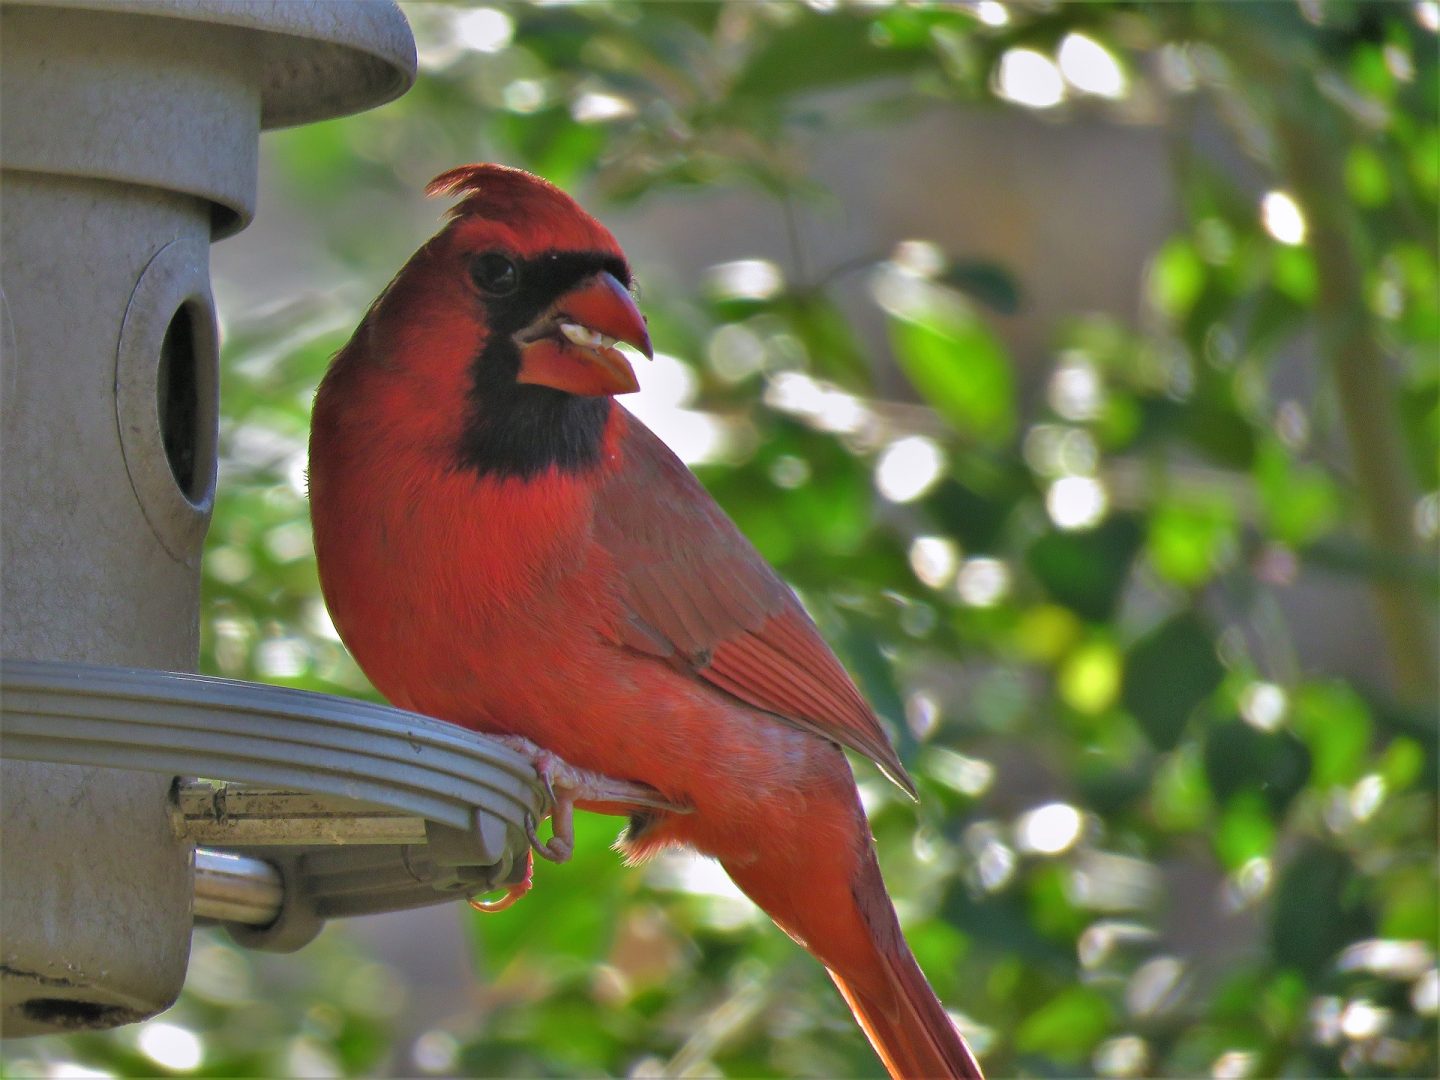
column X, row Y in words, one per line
column 861, row 946
column 911, row 1033
column 904, row 1020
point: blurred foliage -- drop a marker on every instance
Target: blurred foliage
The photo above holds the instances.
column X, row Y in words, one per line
column 1155, row 839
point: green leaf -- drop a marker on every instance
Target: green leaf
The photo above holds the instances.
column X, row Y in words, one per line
column 1176, row 278
column 976, row 518
column 1239, row 760
column 1316, row 913
column 1085, row 571
column 1214, row 425
column 1293, row 272
column 820, row 51
column 959, row 367
column 1180, row 797
column 1402, row 763
column 1410, row 907
column 1335, row 723
column 1365, row 177
column 986, row 281
column 552, row 144
column 1246, row 831
column 1419, row 407
column 1300, row 502
column 829, row 339
column 1167, row 674
column 1067, row 1026
column 1089, row 679
column 1190, row 539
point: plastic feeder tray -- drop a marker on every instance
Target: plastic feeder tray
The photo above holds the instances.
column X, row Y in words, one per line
column 329, row 807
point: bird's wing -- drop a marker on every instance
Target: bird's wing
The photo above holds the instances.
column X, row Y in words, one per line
column 698, row 593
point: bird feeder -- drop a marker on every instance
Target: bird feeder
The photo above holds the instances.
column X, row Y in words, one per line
column 129, row 134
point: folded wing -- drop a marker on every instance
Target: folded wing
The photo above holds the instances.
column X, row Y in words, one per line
column 697, row 593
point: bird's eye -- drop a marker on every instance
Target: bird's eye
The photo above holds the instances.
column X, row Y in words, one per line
column 494, row 274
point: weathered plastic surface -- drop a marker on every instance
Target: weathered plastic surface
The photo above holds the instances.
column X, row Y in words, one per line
column 468, row 795
column 128, row 139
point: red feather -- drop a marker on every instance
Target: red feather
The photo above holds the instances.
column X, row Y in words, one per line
column 705, row 596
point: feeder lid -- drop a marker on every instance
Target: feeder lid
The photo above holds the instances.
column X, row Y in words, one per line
column 321, row 59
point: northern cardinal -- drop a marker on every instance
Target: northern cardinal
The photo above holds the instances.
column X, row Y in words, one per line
column 503, row 546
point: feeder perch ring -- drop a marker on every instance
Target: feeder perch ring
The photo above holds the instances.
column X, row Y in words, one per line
column 328, row 807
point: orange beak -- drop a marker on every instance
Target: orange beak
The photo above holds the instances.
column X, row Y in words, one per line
column 571, row 347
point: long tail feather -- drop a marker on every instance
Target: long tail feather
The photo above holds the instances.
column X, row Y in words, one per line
column 904, row 1020
column 913, row 1036
column 861, row 945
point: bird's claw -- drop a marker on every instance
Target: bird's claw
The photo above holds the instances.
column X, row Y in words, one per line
column 561, row 844
column 565, row 785
column 513, row 892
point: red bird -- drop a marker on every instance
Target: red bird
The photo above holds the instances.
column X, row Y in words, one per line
column 503, row 546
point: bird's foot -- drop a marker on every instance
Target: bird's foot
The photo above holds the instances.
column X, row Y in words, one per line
column 565, row 785
column 513, row 892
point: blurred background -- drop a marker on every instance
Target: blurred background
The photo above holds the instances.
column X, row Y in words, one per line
column 1077, row 364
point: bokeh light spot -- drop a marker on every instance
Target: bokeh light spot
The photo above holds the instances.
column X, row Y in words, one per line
column 595, row 107
column 908, row 468
column 1388, row 958
column 1075, row 391
column 1029, row 78
column 170, row 1046
column 1263, row 706
column 992, row 13
column 1363, row 1019
column 1234, row 1065
column 1282, row 217
column 744, row 279
column 934, row 560
column 523, row 95
column 968, row 775
column 436, row 1052
column 1125, row 1055
column 1049, row 829
column 1425, row 993
column 1076, row 502
column 484, row 29
column 982, row 582
column 1089, row 67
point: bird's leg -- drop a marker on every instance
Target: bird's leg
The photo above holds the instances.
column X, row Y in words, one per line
column 565, row 785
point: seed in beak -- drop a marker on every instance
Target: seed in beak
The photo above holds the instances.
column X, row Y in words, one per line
column 584, row 337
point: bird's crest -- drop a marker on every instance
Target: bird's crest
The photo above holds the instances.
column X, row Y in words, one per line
column 504, row 194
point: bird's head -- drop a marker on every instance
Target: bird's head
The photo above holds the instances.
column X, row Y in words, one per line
column 550, row 282
column 498, row 340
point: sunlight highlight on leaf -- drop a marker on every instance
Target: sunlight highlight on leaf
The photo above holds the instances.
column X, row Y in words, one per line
column 1049, row 830
column 1282, row 217
column 1089, row 67
column 486, row 30
column 982, row 582
column 170, row 1046
column 745, row 279
column 908, row 468
column 1029, row 78
column 1076, row 502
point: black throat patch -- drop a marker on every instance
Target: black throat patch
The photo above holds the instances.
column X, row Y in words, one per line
column 517, row 429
